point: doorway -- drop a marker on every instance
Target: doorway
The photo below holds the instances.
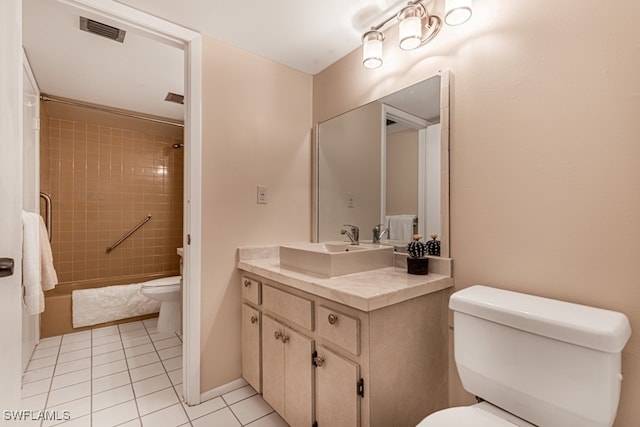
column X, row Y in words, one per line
column 190, row 42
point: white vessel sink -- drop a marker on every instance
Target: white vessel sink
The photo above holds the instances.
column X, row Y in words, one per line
column 335, row 258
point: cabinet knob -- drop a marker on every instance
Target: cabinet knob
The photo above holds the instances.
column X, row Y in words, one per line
column 332, row 319
column 319, row 361
column 254, row 319
column 284, row 338
column 247, row 283
column 277, row 334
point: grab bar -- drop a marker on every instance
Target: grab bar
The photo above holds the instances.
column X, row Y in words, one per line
column 126, row 236
column 47, row 211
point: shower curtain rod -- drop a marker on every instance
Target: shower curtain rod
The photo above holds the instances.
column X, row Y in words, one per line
column 47, row 98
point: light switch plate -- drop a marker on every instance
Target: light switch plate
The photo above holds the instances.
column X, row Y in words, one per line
column 351, row 200
column 262, row 194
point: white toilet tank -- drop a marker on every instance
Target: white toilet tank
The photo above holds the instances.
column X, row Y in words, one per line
column 549, row 362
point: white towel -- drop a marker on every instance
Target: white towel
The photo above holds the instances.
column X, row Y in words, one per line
column 401, row 227
column 48, row 272
column 31, row 282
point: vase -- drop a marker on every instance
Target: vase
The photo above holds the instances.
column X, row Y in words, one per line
column 417, row 265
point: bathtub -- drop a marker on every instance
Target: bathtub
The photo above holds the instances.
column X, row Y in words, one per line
column 57, row 316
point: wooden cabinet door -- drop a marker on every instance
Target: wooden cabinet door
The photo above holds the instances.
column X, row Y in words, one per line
column 251, row 358
column 337, row 402
column 298, row 374
column 273, row 379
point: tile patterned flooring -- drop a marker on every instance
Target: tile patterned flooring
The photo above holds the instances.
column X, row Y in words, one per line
column 127, row 375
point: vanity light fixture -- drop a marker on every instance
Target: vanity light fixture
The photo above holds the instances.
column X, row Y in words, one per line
column 416, row 28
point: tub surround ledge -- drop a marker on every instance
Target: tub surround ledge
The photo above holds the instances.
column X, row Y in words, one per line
column 366, row 291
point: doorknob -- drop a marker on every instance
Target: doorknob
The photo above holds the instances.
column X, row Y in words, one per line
column 6, row 267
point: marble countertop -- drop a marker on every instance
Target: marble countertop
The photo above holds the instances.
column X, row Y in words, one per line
column 366, row 291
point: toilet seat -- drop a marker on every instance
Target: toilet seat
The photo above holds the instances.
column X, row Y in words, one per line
column 160, row 289
column 163, row 289
column 480, row 415
column 164, row 281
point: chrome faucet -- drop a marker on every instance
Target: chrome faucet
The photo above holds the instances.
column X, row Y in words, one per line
column 353, row 235
column 379, row 231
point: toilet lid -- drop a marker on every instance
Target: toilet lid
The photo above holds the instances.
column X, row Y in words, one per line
column 161, row 289
column 164, row 281
column 480, row 415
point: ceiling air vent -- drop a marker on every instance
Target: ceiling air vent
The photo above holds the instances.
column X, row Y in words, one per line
column 174, row 97
column 104, row 30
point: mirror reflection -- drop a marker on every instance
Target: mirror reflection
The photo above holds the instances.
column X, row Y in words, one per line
column 379, row 168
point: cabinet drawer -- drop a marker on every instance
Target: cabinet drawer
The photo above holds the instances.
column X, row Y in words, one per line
column 288, row 306
column 251, row 290
column 340, row 329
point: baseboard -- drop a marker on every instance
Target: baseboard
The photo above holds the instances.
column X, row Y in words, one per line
column 219, row 391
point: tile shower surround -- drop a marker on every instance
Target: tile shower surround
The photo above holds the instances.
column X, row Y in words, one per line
column 102, row 182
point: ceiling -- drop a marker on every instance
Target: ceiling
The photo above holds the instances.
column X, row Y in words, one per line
column 137, row 74
column 307, row 35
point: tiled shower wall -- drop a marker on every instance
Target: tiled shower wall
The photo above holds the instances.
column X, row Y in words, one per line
column 103, row 180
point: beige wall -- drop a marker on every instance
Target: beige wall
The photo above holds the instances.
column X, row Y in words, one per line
column 545, row 170
column 257, row 130
column 402, row 172
column 349, row 164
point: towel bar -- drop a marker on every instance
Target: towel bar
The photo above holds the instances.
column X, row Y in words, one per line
column 126, row 236
column 47, row 211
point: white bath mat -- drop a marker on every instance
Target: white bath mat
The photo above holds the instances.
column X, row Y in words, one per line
column 106, row 304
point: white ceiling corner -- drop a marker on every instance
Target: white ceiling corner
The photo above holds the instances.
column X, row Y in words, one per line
column 136, row 75
column 304, row 34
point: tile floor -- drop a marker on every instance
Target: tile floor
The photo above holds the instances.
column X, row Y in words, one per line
column 127, row 375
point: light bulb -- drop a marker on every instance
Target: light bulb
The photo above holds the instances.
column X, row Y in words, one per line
column 410, row 27
column 410, row 30
column 372, row 49
column 457, row 11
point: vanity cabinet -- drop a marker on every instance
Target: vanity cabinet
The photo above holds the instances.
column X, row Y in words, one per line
column 251, row 340
column 328, row 363
column 336, row 380
column 339, row 329
column 251, row 327
column 251, row 291
column 287, row 372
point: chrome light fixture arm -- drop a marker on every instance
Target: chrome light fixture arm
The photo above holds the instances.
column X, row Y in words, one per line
column 435, row 25
column 417, row 27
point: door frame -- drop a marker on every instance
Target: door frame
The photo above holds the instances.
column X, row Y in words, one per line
column 30, row 201
column 389, row 112
column 11, row 191
column 191, row 42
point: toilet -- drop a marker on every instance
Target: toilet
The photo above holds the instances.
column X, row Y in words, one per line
column 534, row 361
column 167, row 291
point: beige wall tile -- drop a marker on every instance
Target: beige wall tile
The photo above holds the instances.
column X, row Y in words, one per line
column 90, row 177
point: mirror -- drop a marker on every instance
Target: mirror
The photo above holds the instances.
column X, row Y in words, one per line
column 386, row 162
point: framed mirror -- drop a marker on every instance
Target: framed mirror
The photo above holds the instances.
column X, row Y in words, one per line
column 387, row 162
